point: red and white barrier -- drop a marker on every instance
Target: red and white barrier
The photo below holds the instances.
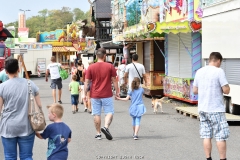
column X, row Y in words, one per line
column 38, row 71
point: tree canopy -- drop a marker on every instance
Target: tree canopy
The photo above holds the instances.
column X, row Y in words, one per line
column 50, row 20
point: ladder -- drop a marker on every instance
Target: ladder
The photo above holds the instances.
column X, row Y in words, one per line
column 119, row 56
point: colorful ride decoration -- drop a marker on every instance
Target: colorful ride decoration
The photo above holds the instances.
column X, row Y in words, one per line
column 181, row 16
column 64, row 37
column 145, row 21
column 150, row 11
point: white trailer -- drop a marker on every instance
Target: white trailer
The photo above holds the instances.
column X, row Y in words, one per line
column 37, row 58
column 221, row 33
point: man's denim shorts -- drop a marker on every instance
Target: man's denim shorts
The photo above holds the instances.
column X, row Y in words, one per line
column 56, row 82
column 99, row 103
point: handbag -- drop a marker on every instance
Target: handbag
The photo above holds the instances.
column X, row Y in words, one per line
column 35, row 113
column 63, row 73
column 141, row 78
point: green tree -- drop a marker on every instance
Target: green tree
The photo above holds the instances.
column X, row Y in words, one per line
column 78, row 14
column 43, row 15
column 35, row 25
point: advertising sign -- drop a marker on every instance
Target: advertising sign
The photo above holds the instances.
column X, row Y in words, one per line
column 23, row 34
column 53, row 36
column 180, row 88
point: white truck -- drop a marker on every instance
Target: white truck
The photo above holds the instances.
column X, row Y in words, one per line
column 221, row 33
column 37, row 58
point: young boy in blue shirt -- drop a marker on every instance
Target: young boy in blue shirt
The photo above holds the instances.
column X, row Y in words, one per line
column 58, row 134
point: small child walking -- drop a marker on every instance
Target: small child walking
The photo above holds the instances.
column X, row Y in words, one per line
column 58, row 134
column 137, row 108
column 75, row 88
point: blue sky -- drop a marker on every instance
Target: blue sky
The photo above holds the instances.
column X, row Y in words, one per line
column 9, row 13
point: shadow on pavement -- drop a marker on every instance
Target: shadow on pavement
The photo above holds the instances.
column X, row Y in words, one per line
column 143, row 137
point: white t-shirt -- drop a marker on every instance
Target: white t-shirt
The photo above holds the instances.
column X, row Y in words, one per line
column 54, row 70
column 121, row 69
column 209, row 81
column 132, row 72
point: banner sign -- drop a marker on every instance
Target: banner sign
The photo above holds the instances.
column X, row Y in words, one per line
column 23, row 34
column 32, row 46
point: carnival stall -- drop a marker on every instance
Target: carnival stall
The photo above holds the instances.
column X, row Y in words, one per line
column 149, row 43
column 181, row 21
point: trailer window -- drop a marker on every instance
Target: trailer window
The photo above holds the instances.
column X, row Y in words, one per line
column 1, row 52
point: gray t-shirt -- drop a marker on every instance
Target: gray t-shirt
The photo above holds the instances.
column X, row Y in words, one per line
column 14, row 121
column 132, row 72
column 209, row 81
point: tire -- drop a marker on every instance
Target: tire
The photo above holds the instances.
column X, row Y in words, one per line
column 226, row 104
column 233, row 109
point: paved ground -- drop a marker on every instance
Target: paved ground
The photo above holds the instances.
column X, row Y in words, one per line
column 167, row 136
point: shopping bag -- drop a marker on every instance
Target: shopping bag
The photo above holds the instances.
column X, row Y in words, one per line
column 63, row 74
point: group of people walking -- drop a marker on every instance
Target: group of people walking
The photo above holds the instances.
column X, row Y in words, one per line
column 77, row 86
column 95, row 85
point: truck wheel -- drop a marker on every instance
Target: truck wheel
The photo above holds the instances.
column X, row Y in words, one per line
column 233, row 109
column 226, row 104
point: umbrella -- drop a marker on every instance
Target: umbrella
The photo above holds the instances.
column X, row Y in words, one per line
column 4, row 33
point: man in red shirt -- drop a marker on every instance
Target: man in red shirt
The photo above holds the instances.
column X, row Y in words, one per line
column 102, row 75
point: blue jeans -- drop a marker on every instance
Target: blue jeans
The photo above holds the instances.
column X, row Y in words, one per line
column 25, row 147
column 74, row 99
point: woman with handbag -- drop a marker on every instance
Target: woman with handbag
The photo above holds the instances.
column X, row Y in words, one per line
column 79, row 73
column 15, row 127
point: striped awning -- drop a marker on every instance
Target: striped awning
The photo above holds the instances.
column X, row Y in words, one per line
column 63, row 49
column 71, row 49
column 58, row 49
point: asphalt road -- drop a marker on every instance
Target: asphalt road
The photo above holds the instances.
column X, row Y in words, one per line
column 165, row 136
